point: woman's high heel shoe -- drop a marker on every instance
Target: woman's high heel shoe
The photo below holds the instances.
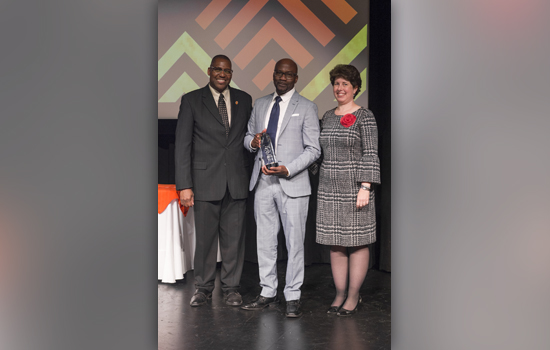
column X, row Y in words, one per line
column 344, row 312
column 335, row 309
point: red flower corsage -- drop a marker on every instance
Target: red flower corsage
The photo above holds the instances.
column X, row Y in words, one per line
column 347, row 120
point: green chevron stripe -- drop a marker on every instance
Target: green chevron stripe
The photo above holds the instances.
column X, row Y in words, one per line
column 345, row 56
column 185, row 44
column 183, row 85
column 365, row 83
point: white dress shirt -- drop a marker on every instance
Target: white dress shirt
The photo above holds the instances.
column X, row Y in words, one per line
column 227, row 98
column 285, row 99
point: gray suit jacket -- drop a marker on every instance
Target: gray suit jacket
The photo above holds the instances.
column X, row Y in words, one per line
column 297, row 143
column 206, row 160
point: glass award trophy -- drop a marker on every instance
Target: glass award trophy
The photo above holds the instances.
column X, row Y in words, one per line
column 268, row 152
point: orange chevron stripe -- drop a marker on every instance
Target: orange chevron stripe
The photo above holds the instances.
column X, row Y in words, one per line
column 308, row 19
column 265, row 76
column 211, row 12
column 273, row 30
column 238, row 22
column 341, row 9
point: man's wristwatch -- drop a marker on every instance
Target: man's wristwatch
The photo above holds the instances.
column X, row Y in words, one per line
column 363, row 187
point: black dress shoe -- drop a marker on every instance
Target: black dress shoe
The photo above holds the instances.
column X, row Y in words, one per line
column 333, row 309
column 260, row 303
column 232, row 298
column 200, row 297
column 344, row 312
column 293, row 308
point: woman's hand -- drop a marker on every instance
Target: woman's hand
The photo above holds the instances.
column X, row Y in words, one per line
column 363, row 197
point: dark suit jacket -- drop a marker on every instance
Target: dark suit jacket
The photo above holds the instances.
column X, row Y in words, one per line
column 206, row 160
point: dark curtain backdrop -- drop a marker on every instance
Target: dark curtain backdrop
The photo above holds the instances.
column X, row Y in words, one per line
column 379, row 103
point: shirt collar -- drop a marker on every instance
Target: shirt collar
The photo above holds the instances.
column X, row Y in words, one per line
column 286, row 96
column 216, row 94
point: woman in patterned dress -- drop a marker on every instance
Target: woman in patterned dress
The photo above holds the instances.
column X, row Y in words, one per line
column 350, row 166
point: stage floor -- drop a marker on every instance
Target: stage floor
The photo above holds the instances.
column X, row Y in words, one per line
column 218, row 326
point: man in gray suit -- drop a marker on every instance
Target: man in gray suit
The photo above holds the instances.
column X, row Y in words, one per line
column 293, row 125
column 212, row 174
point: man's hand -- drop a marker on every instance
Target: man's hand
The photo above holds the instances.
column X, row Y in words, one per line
column 257, row 139
column 280, row 170
column 187, row 198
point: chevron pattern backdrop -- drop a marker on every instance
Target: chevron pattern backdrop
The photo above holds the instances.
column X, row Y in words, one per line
column 254, row 34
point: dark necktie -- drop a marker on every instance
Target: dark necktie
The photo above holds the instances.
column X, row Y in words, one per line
column 223, row 112
column 274, row 120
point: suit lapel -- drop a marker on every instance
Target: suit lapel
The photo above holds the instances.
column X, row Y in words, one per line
column 292, row 104
column 235, row 119
column 210, row 104
column 263, row 113
column 234, row 104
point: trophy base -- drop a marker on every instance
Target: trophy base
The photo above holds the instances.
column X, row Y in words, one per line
column 271, row 165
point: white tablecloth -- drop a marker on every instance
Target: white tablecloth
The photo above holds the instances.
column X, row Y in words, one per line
column 176, row 243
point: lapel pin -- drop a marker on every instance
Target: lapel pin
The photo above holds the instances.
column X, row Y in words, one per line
column 236, row 102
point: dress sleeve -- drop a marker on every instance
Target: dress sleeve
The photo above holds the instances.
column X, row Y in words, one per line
column 368, row 169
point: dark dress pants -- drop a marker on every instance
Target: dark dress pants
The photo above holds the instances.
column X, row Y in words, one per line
column 224, row 221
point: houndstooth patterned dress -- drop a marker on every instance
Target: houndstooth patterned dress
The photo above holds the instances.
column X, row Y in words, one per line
column 349, row 158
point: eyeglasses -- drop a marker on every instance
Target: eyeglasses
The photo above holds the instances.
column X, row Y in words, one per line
column 288, row 75
column 218, row 70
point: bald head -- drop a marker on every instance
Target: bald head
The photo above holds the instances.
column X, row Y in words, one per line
column 289, row 62
column 285, row 75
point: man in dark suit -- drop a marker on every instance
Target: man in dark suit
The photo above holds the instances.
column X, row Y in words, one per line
column 212, row 174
